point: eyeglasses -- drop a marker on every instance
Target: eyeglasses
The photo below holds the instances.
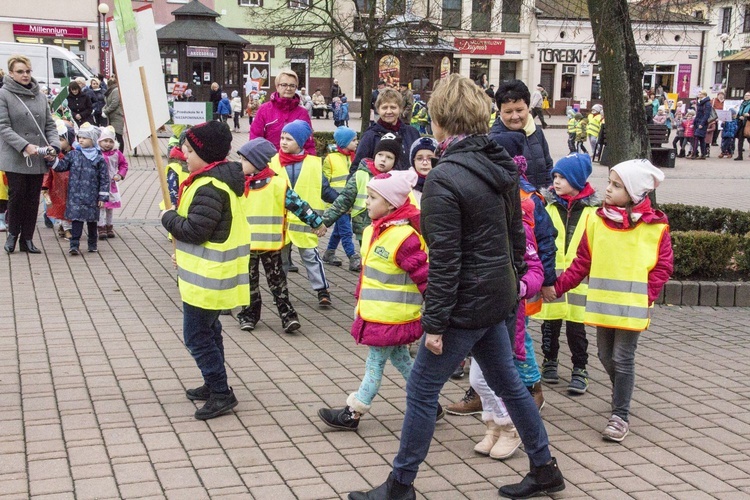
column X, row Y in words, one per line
column 423, row 159
column 22, row 72
column 287, row 85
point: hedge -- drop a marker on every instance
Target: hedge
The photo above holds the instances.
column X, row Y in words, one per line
column 709, row 243
column 322, row 140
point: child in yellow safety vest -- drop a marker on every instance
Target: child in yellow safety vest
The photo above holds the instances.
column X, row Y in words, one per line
column 212, row 256
column 267, row 200
column 581, row 131
column 389, row 293
column 626, row 252
column 571, row 202
column 304, row 172
column 572, row 129
column 354, row 194
column 336, row 169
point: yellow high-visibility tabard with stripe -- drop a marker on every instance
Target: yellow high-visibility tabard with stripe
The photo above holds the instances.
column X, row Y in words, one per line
column 309, row 186
column 266, row 214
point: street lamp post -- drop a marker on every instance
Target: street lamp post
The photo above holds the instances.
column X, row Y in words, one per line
column 103, row 9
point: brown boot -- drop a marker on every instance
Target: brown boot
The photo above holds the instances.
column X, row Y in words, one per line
column 110, row 231
column 471, row 404
column 490, row 438
column 536, row 391
column 102, row 232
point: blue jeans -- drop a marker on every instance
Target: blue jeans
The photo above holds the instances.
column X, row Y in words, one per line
column 342, row 232
column 376, row 359
column 201, row 330
column 491, row 349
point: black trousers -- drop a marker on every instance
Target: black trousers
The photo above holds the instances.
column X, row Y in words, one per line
column 77, row 232
column 576, row 333
column 539, row 113
column 23, row 203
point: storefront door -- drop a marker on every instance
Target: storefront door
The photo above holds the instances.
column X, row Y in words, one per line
column 547, row 79
column 201, row 72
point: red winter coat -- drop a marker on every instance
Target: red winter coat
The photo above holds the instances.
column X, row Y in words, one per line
column 273, row 115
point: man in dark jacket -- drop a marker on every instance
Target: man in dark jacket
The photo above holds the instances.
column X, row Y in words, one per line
column 471, row 221
column 513, row 99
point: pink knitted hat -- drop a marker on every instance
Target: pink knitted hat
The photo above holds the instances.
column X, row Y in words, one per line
column 394, row 186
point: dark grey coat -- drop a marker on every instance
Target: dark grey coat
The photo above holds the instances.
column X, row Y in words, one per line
column 18, row 130
column 113, row 109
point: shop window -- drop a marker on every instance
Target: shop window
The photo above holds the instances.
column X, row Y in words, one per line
column 567, row 86
column 364, row 6
column 719, row 72
column 201, row 73
column 169, row 62
column 259, row 72
column 422, row 80
column 746, row 20
column 231, row 67
column 507, row 70
column 481, row 14
column 452, row 14
column 511, row 16
column 596, row 83
column 477, row 67
column 547, row 79
column 726, row 20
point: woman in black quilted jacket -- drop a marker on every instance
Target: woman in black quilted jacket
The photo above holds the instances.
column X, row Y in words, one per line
column 471, row 221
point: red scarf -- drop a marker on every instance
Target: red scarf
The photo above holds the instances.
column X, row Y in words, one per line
column 393, row 127
column 177, row 154
column 187, row 182
column 371, row 165
column 583, row 193
column 406, row 211
column 290, row 159
column 347, row 152
column 266, row 173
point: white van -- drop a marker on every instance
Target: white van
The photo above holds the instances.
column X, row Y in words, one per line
column 49, row 63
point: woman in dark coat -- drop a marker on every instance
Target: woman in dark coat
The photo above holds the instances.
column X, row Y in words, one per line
column 702, row 114
column 97, row 99
column 390, row 106
column 80, row 104
column 26, row 124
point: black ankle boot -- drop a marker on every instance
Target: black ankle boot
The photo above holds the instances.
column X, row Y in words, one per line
column 10, row 242
column 28, row 247
column 545, row 480
column 389, row 490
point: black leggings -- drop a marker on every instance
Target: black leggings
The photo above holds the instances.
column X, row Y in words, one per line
column 23, row 203
column 577, row 341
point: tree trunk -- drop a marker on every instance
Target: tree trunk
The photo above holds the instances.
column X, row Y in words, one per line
column 368, row 84
column 622, row 75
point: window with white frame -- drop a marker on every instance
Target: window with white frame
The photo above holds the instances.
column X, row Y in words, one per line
column 299, row 4
column 726, row 20
column 251, row 3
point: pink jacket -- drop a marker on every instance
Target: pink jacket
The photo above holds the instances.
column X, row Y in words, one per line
column 413, row 260
column 531, row 284
column 273, row 115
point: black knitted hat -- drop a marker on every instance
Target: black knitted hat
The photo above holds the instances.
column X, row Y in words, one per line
column 389, row 142
column 211, row 141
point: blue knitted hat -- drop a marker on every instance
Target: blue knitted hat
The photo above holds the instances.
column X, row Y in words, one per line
column 576, row 168
column 300, row 130
column 343, row 136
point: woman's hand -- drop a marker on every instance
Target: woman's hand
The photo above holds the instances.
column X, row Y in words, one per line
column 434, row 344
column 30, row 150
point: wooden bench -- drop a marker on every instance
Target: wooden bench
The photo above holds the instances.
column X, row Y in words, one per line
column 657, row 135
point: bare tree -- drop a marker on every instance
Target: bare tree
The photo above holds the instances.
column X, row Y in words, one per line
column 357, row 28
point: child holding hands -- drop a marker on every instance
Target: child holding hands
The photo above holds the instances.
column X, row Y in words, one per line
column 117, row 170
column 621, row 294
column 389, row 292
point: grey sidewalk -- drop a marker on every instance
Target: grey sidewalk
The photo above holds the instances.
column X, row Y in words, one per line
column 93, row 373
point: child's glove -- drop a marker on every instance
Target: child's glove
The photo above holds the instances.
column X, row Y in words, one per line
column 522, row 290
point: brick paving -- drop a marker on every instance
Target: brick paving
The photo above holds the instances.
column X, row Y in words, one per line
column 93, row 372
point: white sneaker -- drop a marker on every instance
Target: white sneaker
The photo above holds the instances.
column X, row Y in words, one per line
column 3, row 227
column 617, row 429
column 507, row 443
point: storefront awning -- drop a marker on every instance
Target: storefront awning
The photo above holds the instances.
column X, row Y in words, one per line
column 743, row 55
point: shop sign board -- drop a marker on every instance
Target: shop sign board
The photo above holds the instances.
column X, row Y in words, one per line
column 42, row 30
column 480, row 46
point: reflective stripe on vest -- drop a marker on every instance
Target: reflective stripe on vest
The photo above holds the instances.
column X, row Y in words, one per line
column 309, row 187
column 214, row 276
column 569, row 306
column 572, row 125
column 387, row 293
column 336, row 170
column 362, row 178
column 618, row 292
column 265, row 208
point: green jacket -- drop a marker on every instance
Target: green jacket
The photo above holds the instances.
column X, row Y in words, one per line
column 345, row 201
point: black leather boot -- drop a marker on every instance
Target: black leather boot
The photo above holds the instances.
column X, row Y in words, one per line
column 389, row 490
column 540, row 480
column 10, row 242
column 28, row 247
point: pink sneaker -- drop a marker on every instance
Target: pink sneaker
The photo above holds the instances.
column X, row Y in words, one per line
column 616, row 429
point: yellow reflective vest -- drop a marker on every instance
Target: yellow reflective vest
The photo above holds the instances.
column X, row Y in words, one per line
column 387, row 293
column 336, row 169
column 309, row 187
column 570, row 306
column 595, row 123
column 362, row 178
column 618, row 290
column 214, row 276
column 572, row 125
column 181, row 176
column 265, row 209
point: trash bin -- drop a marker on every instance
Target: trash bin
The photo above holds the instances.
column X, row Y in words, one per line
column 663, row 157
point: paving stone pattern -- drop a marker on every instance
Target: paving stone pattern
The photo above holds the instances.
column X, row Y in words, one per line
column 93, row 372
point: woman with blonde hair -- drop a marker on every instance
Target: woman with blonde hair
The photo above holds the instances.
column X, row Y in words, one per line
column 471, row 221
column 282, row 108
